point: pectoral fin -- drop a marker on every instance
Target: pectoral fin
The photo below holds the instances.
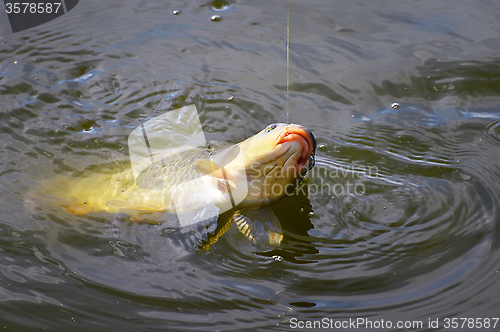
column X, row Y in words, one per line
column 260, row 226
column 218, row 233
column 208, row 167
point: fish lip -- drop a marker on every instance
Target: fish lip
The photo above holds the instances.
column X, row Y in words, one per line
column 312, row 158
column 308, row 137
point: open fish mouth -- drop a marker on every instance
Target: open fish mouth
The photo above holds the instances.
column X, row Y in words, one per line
column 306, row 140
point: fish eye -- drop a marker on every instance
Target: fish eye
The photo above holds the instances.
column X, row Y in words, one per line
column 270, row 128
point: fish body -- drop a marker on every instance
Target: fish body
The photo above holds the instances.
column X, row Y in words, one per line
column 268, row 165
column 119, row 192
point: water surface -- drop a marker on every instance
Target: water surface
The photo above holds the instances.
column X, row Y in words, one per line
column 398, row 221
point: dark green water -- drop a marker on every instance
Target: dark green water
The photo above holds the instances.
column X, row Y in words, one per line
column 400, row 220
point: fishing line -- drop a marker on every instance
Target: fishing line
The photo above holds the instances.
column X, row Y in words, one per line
column 287, row 57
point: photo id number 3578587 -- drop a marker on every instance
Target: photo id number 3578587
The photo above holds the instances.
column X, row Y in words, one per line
column 32, row 7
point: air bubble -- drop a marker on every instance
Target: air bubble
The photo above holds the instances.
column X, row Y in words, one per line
column 216, row 18
column 465, row 177
column 220, row 5
column 176, row 12
column 395, row 105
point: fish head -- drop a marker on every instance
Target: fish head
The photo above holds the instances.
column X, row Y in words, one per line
column 275, row 161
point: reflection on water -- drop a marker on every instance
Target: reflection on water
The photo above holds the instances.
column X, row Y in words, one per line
column 398, row 220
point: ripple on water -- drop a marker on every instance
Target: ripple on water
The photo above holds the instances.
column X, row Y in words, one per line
column 404, row 217
column 493, row 131
column 416, row 234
